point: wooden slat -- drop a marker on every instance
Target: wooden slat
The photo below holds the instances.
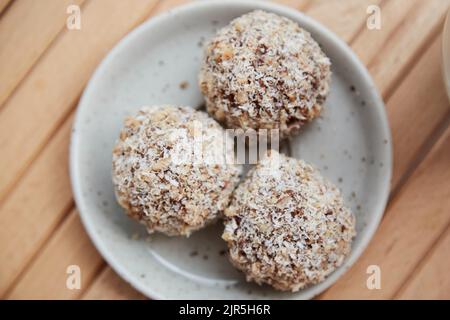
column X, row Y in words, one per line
column 46, row 96
column 414, row 221
column 98, row 285
column 23, row 282
column 46, row 277
column 3, row 5
column 395, row 58
column 416, row 109
column 411, row 128
column 15, row 210
column 345, row 18
column 301, row 5
column 368, row 43
column 45, row 189
column 169, row 4
column 431, row 280
column 35, row 207
column 109, row 286
column 24, row 42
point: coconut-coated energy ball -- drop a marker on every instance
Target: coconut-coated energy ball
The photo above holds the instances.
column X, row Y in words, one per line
column 264, row 71
column 169, row 169
column 287, row 226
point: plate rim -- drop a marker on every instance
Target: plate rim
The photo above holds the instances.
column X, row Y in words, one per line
column 89, row 226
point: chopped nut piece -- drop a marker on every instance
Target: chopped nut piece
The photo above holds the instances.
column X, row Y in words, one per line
column 162, row 164
column 227, row 54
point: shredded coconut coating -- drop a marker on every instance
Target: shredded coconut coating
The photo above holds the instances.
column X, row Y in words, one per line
column 153, row 182
column 264, row 71
column 287, row 226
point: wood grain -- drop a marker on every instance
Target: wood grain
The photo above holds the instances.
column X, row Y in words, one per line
column 405, row 109
column 415, row 219
column 403, row 48
column 50, row 90
column 368, row 43
column 14, row 212
column 3, row 5
column 109, row 286
column 416, row 109
column 24, row 42
column 35, row 207
column 431, row 280
column 345, row 20
column 34, row 105
column 46, row 276
column 422, row 89
column 169, row 4
column 301, row 5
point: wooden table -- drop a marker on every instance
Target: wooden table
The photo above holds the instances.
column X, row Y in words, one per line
column 44, row 68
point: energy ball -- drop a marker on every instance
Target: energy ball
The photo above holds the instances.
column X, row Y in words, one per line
column 169, row 169
column 263, row 71
column 287, row 226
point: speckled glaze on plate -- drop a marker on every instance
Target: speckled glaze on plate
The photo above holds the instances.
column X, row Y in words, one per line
column 158, row 63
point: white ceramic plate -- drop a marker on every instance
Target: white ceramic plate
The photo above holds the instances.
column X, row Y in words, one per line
column 350, row 143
